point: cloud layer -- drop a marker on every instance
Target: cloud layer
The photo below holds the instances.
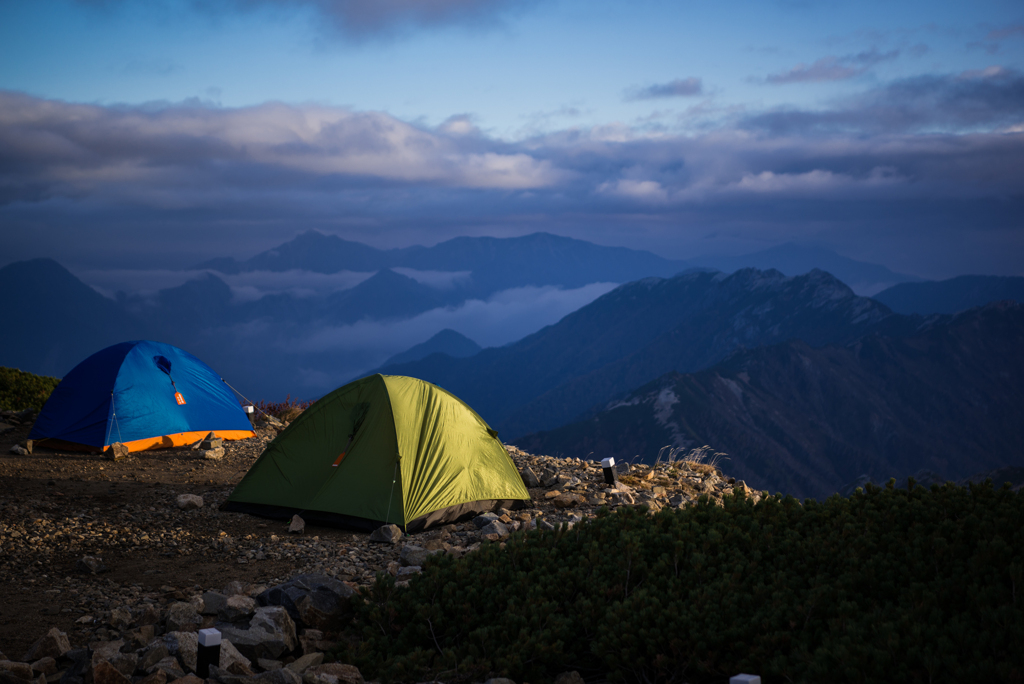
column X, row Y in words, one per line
column 680, row 87
column 913, row 155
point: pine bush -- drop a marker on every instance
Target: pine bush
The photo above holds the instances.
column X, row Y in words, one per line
column 887, row 585
column 20, row 390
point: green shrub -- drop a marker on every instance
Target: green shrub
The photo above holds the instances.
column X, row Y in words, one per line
column 888, row 585
column 20, row 390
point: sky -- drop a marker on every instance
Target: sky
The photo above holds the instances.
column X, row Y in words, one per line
column 156, row 135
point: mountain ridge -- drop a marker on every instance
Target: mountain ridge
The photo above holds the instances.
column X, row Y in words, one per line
column 807, row 420
column 637, row 317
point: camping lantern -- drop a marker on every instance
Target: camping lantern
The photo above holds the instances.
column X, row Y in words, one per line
column 208, row 652
column 611, row 477
column 250, row 412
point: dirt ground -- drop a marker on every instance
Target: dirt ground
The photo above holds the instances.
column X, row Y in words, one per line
column 66, row 489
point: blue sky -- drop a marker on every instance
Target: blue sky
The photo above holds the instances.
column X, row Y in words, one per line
column 167, row 131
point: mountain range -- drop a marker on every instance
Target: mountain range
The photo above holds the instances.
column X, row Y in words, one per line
column 947, row 397
column 805, row 383
column 641, row 330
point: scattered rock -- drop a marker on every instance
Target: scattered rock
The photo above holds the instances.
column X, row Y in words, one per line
column 237, row 608
column 184, row 645
column 482, row 521
column 105, row 673
column 496, row 527
column 19, row 450
column 19, row 670
column 415, row 555
column 214, row 602
column 183, row 617
column 189, row 502
column 530, row 478
column 297, row 525
column 270, row 634
column 53, row 644
column 386, row 534
column 568, row 500
column 212, row 454
column 313, row 601
column 569, row 678
column 46, row 666
column 117, row 452
column 302, row 664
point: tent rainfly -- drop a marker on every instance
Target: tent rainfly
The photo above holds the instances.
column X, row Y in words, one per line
column 147, row 395
column 383, row 449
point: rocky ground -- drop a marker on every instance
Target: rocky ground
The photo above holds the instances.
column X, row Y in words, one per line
column 106, row 552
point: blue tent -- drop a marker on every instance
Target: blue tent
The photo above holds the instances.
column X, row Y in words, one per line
column 146, row 395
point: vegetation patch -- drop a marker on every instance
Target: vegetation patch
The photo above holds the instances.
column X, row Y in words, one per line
column 20, row 390
column 887, row 585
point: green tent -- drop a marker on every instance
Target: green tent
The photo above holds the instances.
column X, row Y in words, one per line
column 383, row 449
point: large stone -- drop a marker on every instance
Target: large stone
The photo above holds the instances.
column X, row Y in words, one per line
column 90, row 565
column 190, row 679
column 484, row 520
column 19, row 670
column 230, row 657
column 237, row 608
column 307, row 661
column 110, row 652
column 105, row 673
column 185, row 646
column 297, row 525
column 212, row 454
column 340, row 672
column 270, row 634
column 53, row 644
column 77, row 663
column 156, row 652
column 46, row 666
column 170, row 666
column 530, row 478
column 189, row 502
column 313, row 601
column 386, row 534
column 495, row 527
column 416, row 555
column 568, row 500
column 117, row 452
column 120, row 618
column 147, row 615
column 214, row 602
column 183, row 617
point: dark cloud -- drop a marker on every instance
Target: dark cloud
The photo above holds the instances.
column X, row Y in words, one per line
column 989, row 99
column 1013, row 31
column 680, row 87
column 175, row 184
column 994, row 39
column 832, row 68
column 369, row 18
column 366, row 18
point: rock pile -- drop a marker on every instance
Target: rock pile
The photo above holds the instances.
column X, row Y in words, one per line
column 275, row 629
column 270, row 635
